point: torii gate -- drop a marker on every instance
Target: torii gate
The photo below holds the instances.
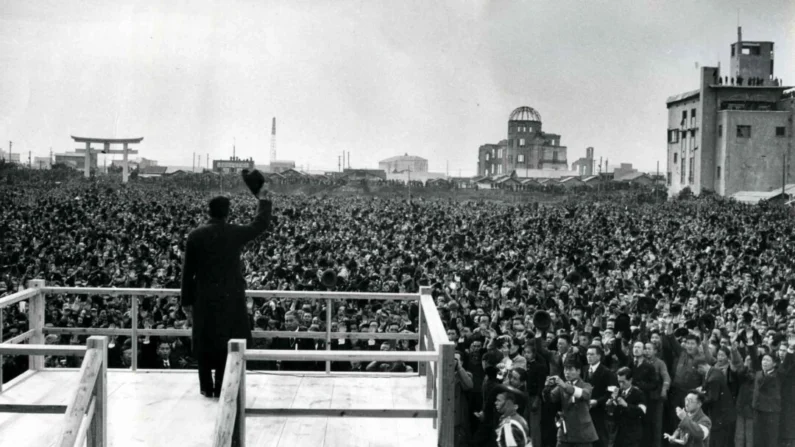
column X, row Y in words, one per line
column 107, row 150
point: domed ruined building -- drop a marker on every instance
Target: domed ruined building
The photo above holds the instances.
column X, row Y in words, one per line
column 527, row 147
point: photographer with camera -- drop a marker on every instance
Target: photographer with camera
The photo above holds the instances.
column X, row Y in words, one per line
column 628, row 405
column 574, row 423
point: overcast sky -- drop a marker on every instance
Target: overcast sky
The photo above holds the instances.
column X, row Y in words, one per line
column 429, row 78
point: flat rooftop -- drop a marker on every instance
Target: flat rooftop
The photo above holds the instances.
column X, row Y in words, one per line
column 154, row 409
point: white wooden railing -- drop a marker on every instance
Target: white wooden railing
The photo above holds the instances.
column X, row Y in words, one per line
column 436, row 357
column 86, row 415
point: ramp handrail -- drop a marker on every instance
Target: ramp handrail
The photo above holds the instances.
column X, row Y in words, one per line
column 85, row 416
column 230, row 425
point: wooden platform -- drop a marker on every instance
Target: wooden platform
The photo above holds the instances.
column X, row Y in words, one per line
column 165, row 409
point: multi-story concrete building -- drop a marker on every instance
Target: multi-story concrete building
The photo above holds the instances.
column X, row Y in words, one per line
column 584, row 165
column 403, row 163
column 527, row 147
column 734, row 132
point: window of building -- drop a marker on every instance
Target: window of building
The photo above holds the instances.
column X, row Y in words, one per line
column 692, row 118
column 521, row 141
column 554, row 156
column 682, row 172
column 669, row 179
column 673, row 136
column 718, row 173
column 720, row 130
column 781, row 132
column 684, row 118
column 520, row 158
column 691, row 170
column 743, row 131
column 488, row 156
column 499, row 169
column 676, row 157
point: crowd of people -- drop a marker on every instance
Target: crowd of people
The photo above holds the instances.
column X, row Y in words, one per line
column 619, row 322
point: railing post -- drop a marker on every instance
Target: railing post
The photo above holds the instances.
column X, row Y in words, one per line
column 1, row 355
column 134, row 344
column 328, row 332
column 239, row 438
column 36, row 322
column 421, row 329
column 98, row 428
column 445, row 408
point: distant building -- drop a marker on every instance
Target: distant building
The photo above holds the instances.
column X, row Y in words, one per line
column 76, row 160
column 42, row 163
column 584, row 165
column 364, row 174
column 232, row 165
column 527, row 147
column 402, row 163
column 14, row 156
column 733, row 132
column 279, row 166
column 624, row 170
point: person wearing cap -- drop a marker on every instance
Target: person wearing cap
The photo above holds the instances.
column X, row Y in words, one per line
column 213, row 289
column 512, row 430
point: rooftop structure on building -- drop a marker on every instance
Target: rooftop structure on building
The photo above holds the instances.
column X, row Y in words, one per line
column 734, row 133
column 527, row 147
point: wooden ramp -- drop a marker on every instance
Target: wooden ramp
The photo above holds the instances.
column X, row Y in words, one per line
column 154, row 409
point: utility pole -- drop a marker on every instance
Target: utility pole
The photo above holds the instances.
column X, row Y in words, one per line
column 193, row 167
column 339, row 163
column 10, row 145
column 349, row 159
column 788, row 154
column 409, row 186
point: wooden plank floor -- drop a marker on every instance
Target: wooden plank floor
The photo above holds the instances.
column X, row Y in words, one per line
column 165, row 409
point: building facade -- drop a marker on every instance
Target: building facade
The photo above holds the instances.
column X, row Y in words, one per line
column 734, row 132
column 584, row 166
column 527, row 147
column 403, row 163
column 233, row 165
column 75, row 160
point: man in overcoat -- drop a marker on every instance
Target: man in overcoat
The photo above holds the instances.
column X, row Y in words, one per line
column 213, row 288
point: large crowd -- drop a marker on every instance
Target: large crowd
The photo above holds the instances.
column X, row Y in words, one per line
column 687, row 302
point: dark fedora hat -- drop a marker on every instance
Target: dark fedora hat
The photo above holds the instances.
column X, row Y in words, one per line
column 254, row 180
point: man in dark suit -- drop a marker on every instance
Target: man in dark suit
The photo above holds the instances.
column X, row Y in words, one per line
column 294, row 344
column 630, row 410
column 166, row 359
column 600, row 378
column 575, row 428
column 213, row 289
column 718, row 404
column 645, row 377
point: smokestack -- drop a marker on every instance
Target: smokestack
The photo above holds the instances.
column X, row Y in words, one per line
column 349, row 159
column 739, row 35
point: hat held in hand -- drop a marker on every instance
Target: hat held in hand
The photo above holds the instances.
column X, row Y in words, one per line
column 254, row 180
